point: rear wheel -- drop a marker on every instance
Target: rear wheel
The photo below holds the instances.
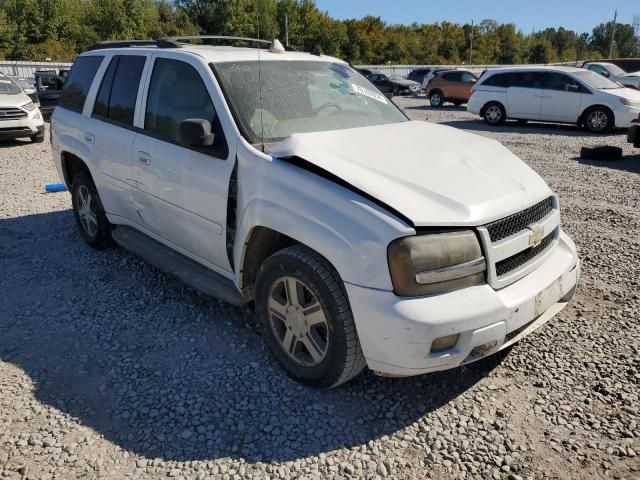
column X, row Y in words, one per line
column 494, row 113
column 598, row 120
column 436, row 99
column 306, row 318
column 90, row 216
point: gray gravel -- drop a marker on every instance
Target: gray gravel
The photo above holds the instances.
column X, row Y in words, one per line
column 110, row 369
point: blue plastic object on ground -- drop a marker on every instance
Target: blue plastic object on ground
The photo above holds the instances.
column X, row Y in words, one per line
column 55, row 187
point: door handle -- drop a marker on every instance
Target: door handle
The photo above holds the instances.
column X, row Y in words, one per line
column 89, row 137
column 144, row 158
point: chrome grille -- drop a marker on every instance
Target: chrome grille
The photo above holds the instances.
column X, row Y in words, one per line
column 508, row 226
column 516, row 261
column 12, row 114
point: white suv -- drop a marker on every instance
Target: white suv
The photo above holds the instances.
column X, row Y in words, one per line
column 285, row 179
column 19, row 116
column 554, row 94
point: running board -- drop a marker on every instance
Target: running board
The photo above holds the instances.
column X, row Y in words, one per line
column 190, row 272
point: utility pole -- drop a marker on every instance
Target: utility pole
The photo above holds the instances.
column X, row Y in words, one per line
column 286, row 29
column 613, row 34
column 471, row 47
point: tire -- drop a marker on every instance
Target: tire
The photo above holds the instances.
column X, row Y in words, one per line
column 396, row 92
column 598, row 119
column 285, row 321
column 494, row 113
column 602, row 153
column 92, row 223
column 38, row 138
column 436, row 99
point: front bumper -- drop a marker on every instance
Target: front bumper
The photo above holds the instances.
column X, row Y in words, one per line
column 396, row 333
column 627, row 118
column 24, row 127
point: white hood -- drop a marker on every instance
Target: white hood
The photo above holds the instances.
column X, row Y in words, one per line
column 432, row 174
column 13, row 100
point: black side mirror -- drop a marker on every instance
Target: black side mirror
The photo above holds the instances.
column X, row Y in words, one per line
column 195, row 132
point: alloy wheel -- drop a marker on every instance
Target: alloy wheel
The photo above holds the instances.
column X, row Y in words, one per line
column 493, row 114
column 597, row 121
column 298, row 321
column 86, row 211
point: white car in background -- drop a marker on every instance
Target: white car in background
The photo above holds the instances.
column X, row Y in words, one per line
column 19, row 116
column 554, row 94
column 615, row 73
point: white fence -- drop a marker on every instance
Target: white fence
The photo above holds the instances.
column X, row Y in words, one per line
column 28, row 69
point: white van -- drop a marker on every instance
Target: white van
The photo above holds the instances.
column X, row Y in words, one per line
column 284, row 179
column 554, row 94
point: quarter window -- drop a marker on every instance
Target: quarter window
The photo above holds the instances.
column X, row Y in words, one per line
column 118, row 92
column 79, row 82
column 176, row 93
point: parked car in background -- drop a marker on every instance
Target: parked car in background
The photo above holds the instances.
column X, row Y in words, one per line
column 615, row 73
column 429, row 76
column 329, row 211
column 49, row 84
column 394, row 84
column 365, row 72
column 418, row 74
column 28, row 87
column 450, row 86
column 19, row 116
column 555, row 94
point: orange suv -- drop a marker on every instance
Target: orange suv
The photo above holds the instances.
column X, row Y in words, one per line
column 451, row 86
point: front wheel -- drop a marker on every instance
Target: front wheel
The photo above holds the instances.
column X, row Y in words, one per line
column 598, row 120
column 306, row 318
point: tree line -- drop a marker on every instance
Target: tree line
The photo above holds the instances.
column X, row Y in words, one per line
column 58, row 30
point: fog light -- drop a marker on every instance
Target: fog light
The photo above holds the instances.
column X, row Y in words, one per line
column 444, row 343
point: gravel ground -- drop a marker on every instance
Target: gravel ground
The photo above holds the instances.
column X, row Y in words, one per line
column 110, row 369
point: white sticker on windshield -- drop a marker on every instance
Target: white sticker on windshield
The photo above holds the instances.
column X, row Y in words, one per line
column 369, row 93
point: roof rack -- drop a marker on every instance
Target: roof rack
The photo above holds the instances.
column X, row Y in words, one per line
column 255, row 41
column 175, row 42
column 160, row 43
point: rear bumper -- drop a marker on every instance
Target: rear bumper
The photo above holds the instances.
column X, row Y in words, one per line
column 396, row 333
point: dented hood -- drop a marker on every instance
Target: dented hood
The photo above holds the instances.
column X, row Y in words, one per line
column 432, row 174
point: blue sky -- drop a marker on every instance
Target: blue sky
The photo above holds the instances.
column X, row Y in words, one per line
column 579, row 15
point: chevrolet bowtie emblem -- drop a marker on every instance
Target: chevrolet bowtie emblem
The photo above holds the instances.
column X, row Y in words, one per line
column 537, row 233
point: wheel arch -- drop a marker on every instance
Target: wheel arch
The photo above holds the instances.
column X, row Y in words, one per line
column 581, row 118
column 72, row 164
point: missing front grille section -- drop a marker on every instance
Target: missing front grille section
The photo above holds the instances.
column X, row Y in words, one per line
column 516, row 223
column 516, row 261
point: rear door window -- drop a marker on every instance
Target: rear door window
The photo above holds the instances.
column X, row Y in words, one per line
column 79, row 82
column 452, row 76
column 116, row 100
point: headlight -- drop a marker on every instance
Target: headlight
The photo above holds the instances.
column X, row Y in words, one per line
column 630, row 103
column 29, row 107
column 436, row 263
